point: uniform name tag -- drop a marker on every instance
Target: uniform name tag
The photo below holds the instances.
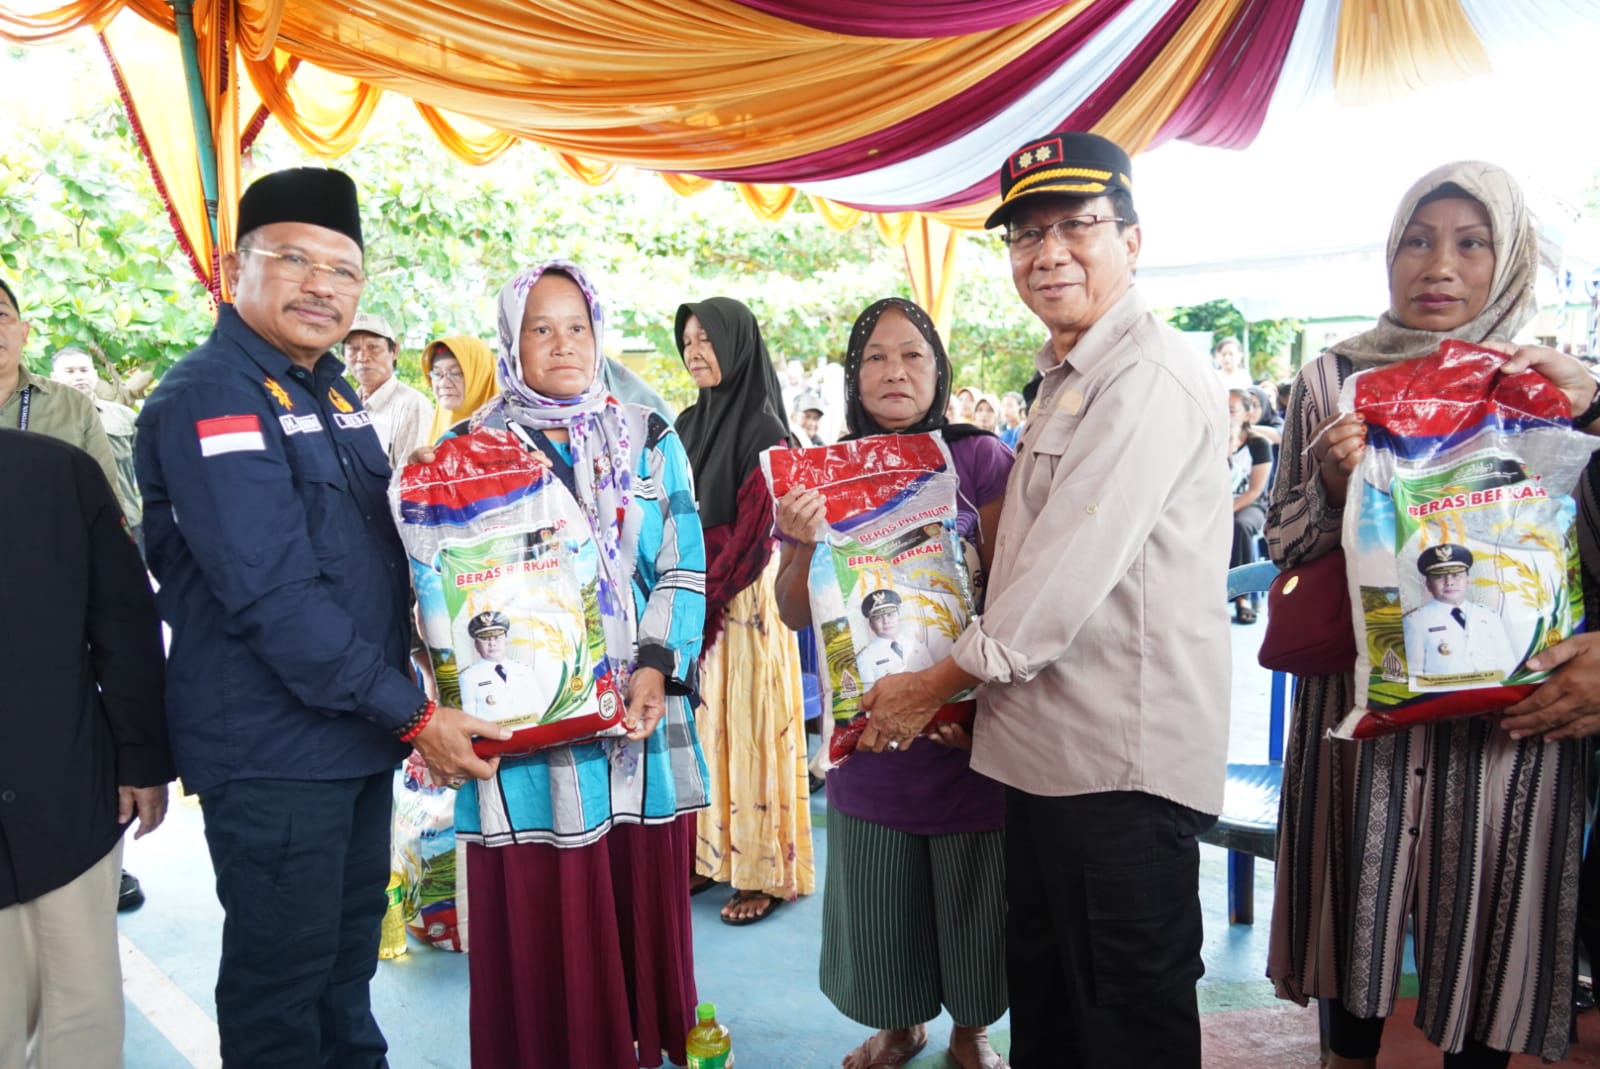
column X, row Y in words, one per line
column 351, row 420
column 230, row 434
column 307, row 424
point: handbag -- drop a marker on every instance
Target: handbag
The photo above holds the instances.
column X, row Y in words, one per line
column 1309, row 629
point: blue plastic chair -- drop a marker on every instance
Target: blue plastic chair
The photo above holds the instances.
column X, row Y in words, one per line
column 1248, row 825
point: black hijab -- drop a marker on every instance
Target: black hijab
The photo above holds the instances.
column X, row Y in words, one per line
column 725, row 431
column 857, row 423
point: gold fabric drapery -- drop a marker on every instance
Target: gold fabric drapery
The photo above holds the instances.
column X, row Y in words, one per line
column 672, row 87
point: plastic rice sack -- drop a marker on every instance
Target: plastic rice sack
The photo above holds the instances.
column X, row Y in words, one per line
column 507, row 580
column 889, row 586
column 1459, row 536
column 430, row 862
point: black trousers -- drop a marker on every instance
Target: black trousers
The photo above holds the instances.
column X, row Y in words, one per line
column 1350, row 1036
column 1589, row 898
column 1103, row 931
column 301, row 867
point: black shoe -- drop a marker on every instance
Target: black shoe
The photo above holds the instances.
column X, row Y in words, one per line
column 130, row 896
column 817, row 782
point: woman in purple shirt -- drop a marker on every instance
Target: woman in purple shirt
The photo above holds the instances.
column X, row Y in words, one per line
column 914, row 899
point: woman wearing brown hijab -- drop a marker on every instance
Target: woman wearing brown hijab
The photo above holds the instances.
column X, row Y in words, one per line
column 1470, row 829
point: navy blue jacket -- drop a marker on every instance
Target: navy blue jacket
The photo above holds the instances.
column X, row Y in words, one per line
column 282, row 577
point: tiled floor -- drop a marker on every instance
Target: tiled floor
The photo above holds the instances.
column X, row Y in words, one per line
column 763, row 977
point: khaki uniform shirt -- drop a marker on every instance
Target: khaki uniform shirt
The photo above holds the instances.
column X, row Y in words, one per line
column 121, row 427
column 1105, row 635
column 63, row 413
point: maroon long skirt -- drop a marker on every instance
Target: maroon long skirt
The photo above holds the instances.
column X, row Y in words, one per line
column 579, row 953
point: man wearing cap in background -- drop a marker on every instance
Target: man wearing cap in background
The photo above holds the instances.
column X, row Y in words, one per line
column 400, row 415
column 495, row 687
column 807, row 418
column 289, row 697
column 1103, row 647
column 1450, row 635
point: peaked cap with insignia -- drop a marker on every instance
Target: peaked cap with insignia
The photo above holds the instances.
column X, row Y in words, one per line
column 1063, row 164
column 879, row 602
column 1443, row 559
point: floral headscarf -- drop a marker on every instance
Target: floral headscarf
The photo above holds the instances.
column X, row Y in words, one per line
column 602, row 434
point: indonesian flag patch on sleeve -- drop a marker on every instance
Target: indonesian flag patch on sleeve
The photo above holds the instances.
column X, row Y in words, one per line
column 230, row 434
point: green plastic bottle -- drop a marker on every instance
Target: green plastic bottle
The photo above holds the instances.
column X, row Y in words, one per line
column 709, row 1044
column 392, row 933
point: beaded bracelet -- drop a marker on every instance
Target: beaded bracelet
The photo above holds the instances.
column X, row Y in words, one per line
column 419, row 720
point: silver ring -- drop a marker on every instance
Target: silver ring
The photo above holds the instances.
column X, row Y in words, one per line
column 894, row 744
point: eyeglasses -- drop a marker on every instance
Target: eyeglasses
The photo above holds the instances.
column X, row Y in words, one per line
column 1072, row 231
column 447, row 376
column 292, row 267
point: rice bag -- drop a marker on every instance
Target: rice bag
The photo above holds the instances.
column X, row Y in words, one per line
column 889, row 585
column 1459, row 536
column 507, row 582
column 432, row 869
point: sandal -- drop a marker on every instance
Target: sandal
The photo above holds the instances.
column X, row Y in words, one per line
column 888, row 1057
column 698, row 883
column 1243, row 614
column 745, row 896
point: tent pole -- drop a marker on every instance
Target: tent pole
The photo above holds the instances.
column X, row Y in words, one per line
column 199, row 113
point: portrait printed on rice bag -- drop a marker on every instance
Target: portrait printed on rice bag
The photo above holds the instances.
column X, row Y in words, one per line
column 1455, row 617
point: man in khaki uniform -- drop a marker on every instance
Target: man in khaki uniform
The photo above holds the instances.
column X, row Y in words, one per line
column 29, row 403
column 1103, row 648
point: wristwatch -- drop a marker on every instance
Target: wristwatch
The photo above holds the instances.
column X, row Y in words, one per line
column 1582, row 419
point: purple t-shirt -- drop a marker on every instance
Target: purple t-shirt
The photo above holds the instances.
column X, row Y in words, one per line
column 928, row 788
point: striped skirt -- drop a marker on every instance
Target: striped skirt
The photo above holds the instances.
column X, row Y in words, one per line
column 1472, row 836
column 912, row 924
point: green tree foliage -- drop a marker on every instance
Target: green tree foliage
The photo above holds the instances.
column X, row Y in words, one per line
column 89, row 250
column 1269, row 339
column 442, row 238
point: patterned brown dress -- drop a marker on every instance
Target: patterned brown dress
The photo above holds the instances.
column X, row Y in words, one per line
column 1473, row 837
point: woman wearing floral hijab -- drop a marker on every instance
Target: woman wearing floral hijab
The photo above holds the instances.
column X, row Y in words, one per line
column 581, row 943
column 756, row 834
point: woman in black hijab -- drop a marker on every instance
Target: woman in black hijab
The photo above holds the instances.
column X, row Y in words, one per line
column 756, row 834
column 896, row 950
